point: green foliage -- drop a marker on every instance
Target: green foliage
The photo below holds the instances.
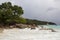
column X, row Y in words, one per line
column 22, row 20
column 10, row 14
column 37, row 22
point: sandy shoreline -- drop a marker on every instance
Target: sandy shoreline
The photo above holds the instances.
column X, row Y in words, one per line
column 27, row 34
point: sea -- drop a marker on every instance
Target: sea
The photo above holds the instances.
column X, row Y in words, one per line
column 55, row 27
column 51, row 26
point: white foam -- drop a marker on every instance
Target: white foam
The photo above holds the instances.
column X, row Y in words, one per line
column 27, row 34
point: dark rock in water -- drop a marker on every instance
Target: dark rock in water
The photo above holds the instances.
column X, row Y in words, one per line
column 32, row 28
column 51, row 29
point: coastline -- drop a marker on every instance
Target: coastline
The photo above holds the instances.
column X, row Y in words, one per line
column 28, row 34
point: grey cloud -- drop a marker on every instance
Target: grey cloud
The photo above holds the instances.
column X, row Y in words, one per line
column 51, row 8
column 45, row 10
column 57, row 0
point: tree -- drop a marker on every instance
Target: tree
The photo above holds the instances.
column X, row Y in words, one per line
column 10, row 13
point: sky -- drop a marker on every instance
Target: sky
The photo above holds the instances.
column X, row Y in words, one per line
column 44, row 10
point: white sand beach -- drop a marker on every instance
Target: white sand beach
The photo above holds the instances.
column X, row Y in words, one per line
column 27, row 34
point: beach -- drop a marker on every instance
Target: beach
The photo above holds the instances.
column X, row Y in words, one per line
column 29, row 20
column 28, row 34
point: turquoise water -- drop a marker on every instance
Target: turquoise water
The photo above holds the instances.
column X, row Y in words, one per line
column 53, row 26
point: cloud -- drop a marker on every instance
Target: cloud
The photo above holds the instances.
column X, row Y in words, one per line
column 45, row 10
column 57, row 0
column 51, row 9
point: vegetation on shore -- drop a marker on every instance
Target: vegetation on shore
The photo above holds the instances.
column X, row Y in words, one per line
column 37, row 22
column 11, row 15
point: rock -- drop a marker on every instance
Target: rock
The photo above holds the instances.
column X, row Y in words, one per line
column 52, row 30
column 1, row 30
column 32, row 28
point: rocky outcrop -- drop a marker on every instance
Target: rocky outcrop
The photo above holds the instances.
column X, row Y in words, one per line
column 45, row 28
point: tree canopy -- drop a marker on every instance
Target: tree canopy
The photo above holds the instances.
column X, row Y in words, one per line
column 10, row 14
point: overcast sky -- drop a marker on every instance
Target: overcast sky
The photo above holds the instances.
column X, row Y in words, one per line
column 45, row 10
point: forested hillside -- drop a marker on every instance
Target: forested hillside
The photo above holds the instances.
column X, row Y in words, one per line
column 37, row 22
